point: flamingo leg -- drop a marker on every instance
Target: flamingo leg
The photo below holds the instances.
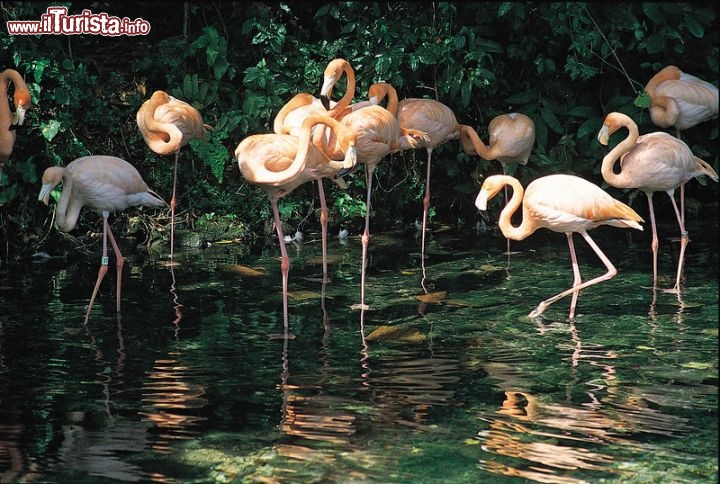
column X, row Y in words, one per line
column 284, row 259
column 684, row 239
column 119, row 261
column 654, row 245
column 577, row 280
column 323, row 228
column 172, row 208
column 103, row 266
column 369, row 169
column 611, row 271
column 507, row 198
column 426, row 206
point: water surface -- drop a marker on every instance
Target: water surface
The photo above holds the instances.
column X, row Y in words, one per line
column 195, row 383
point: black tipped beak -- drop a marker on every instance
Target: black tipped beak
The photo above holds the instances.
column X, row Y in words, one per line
column 325, row 102
column 345, row 171
column 484, row 215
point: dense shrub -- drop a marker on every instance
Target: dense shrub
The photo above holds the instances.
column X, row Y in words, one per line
column 564, row 64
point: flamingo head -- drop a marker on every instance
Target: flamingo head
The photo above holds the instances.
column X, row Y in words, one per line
column 50, row 179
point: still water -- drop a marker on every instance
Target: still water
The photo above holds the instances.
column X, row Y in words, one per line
column 195, row 383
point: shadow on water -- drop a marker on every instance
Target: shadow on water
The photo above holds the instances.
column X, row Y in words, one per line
column 447, row 383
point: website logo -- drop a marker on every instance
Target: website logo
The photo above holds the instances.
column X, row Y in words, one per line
column 56, row 21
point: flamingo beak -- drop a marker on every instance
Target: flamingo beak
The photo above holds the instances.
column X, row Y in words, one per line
column 482, row 200
column 326, row 91
column 481, row 203
column 604, row 135
column 19, row 116
column 349, row 163
column 44, row 195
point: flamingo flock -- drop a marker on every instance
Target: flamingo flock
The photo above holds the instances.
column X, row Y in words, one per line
column 316, row 138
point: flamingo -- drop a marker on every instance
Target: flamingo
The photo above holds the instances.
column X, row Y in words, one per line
column 279, row 163
column 441, row 126
column 291, row 116
column 295, row 106
column 428, row 116
column 651, row 163
column 378, row 134
column 561, row 203
column 511, row 139
column 105, row 184
column 9, row 120
column 167, row 124
column 680, row 100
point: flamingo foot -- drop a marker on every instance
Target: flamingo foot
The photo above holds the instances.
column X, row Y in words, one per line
column 360, row 306
column 538, row 310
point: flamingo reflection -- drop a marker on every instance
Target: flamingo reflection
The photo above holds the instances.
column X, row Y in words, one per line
column 315, row 424
column 13, row 465
column 540, row 440
column 101, row 451
column 171, row 401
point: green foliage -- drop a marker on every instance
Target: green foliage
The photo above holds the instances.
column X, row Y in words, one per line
column 565, row 65
column 350, row 207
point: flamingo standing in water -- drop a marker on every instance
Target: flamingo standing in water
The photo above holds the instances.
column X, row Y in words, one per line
column 291, row 116
column 378, row 133
column 167, row 124
column 296, row 105
column 680, row 100
column 652, row 163
column 511, row 139
column 439, row 122
column 561, row 203
column 105, row 184
column 428, row 116
column 279, row 163
column 9, row 121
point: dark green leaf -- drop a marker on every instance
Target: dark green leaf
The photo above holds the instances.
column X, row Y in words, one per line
column 694, row 27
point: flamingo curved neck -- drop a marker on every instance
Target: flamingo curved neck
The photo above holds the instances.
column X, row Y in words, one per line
column 162, row 138
column 664, row 111
column 473, row 145
column 5, row 115
column 66, row 220
column 525, row 228
column 382, row 90
column 608, row 163
column 299, row 100
column 347, row 97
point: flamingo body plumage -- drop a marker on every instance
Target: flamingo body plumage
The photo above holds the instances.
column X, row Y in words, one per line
column 9, row 120
column 167, row 124
column 105, row 184
column 680, row 100
column 654, row 162
column 561, row 203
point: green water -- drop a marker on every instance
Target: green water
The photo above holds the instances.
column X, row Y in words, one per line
column 193, row 384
